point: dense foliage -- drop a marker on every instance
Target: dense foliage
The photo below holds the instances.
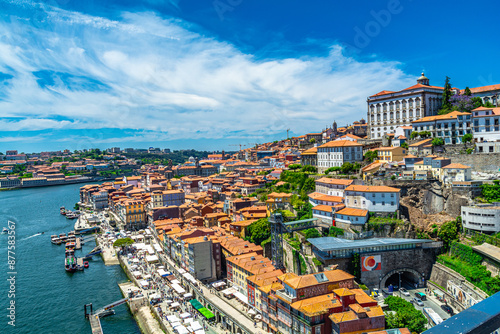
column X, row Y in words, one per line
column 466, row 138
column 491, row 192
column 122, row 242
column 447, row 93
column 474, row 273
column 450, row 232
column 437, row 142
column 311, row 233
column 258, row 231
column 370, row 156
column 406, row 315
column 335, row 231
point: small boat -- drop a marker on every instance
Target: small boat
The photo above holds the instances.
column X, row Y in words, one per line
column 70, row 246
column 56, row 241
column 106, row 313
column 70, row 261
column 86, row 264
column 5, row 230
column 62, row 210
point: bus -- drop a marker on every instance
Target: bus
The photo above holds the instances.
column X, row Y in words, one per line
column 432, row 316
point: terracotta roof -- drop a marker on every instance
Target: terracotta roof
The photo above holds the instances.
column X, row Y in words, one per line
column 352, row 212
column 316, row 305
column 321, row 207
column 342, row 182
column 310, row 151
column 386, row 148
column 422, row 142
column 351, row 136
column 482, row 89
column 409, row 156
column 422, row 86
column 326, row 198
column 372, row 189
column 495, row 111
column 384, row 92
column 311, row 280
column 456, row 165
column 340, row 143
column 448, row 116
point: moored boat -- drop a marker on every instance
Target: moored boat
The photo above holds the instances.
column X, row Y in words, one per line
column 70, row 261
column 62, row 210
column 86, row 264
column 5, row 230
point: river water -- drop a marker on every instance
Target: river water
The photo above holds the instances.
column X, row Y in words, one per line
column 47, row 299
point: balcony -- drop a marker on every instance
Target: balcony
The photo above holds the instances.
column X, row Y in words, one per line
column 282, row 294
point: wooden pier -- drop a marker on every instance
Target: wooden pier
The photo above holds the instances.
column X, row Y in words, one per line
column 95, row 324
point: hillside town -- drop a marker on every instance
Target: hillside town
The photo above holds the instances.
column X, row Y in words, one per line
column 310, row 233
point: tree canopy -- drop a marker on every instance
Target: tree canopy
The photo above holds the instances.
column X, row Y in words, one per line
column 437, row 141
column 122, row 242
column 370, row 156
column 259, row 231
column 466, row 138
column 447, row 93
column 406, row 315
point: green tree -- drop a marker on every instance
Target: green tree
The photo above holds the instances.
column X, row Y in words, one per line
column 437, row 142
column 446, row 95
column 332, row 169
column 312, row 233
column 449, row 232
column 406, row 315
column 312, row 140
column 122, row 242
column 259, row 231
column 467, row 138
column 414, row 135
column 467, row 91
column 347, row 167
column 310, row 169
column 404, row 145
column 305, row 212
column 370, row 156
column 424, row 134
column 294, row 166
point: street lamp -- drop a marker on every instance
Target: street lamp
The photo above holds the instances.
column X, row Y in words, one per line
column 399, row 288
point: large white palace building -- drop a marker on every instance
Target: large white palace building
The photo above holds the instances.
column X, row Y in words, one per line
column 388, row 110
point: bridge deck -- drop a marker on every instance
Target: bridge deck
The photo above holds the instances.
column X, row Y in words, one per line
column 95, row 324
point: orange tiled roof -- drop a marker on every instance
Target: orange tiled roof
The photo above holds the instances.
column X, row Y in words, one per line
column 450, row 115
column 342, row 182
column 353, row 212
column 372, row 189
column 324, row 208
column 457, row 166
column 340, row 143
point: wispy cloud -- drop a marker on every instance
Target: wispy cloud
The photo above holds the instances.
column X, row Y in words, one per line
column 160, row 76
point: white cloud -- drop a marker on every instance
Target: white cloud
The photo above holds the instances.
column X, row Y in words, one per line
column 156, row 75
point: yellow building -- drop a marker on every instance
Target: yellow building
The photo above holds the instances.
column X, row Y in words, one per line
column 132, row 213
column 278, row 201
column 238, row 229
column 390, row 154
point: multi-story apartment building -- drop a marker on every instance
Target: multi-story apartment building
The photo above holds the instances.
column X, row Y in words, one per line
column 332, row 187
column 450, row 127
column 335, row 153
column 240, row 267
column 99, row 200
column 167, row 198
column 309, row 157
column 455, row 173
column 303, row 304
column 372, row 198
column 390, row 153
column 388, row 110
column 489, row 93
column 486, row 124
column 131, row 212
column 482, row 218
column 204, row 257
column 278, row 201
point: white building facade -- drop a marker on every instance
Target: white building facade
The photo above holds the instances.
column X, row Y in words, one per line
column 450, row 127
column 372, row 198
column 486, row 124
column 335, row 153
column 388, row 110
column 484, row 218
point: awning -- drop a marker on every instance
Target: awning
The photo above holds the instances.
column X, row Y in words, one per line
column 175, row 304
column 181, row 330
column 179, row 289
column 187, row 295
column 229, row 291
column 206, row 313
column 148, row 276
column 137, row 274
column 181, row 271
column 175, row 281
column 162, row 272
column 176, row 324
column 251, row 312
column 189, row 277
column 438, row 293
column 241, row 297
column 173, row 318
column 218, row 284
column 199, row 331
column 144, row 283
column 195, row 325
column 185, row 315
column 152, row 258
column 158, row 248
column 196, row 304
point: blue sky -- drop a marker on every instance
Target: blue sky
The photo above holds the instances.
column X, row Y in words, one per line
column 209, row 74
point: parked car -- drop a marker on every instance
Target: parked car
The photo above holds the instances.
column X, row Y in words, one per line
column 447, row 309
column 404, row 292
column 417, row 301
column 420, row 295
